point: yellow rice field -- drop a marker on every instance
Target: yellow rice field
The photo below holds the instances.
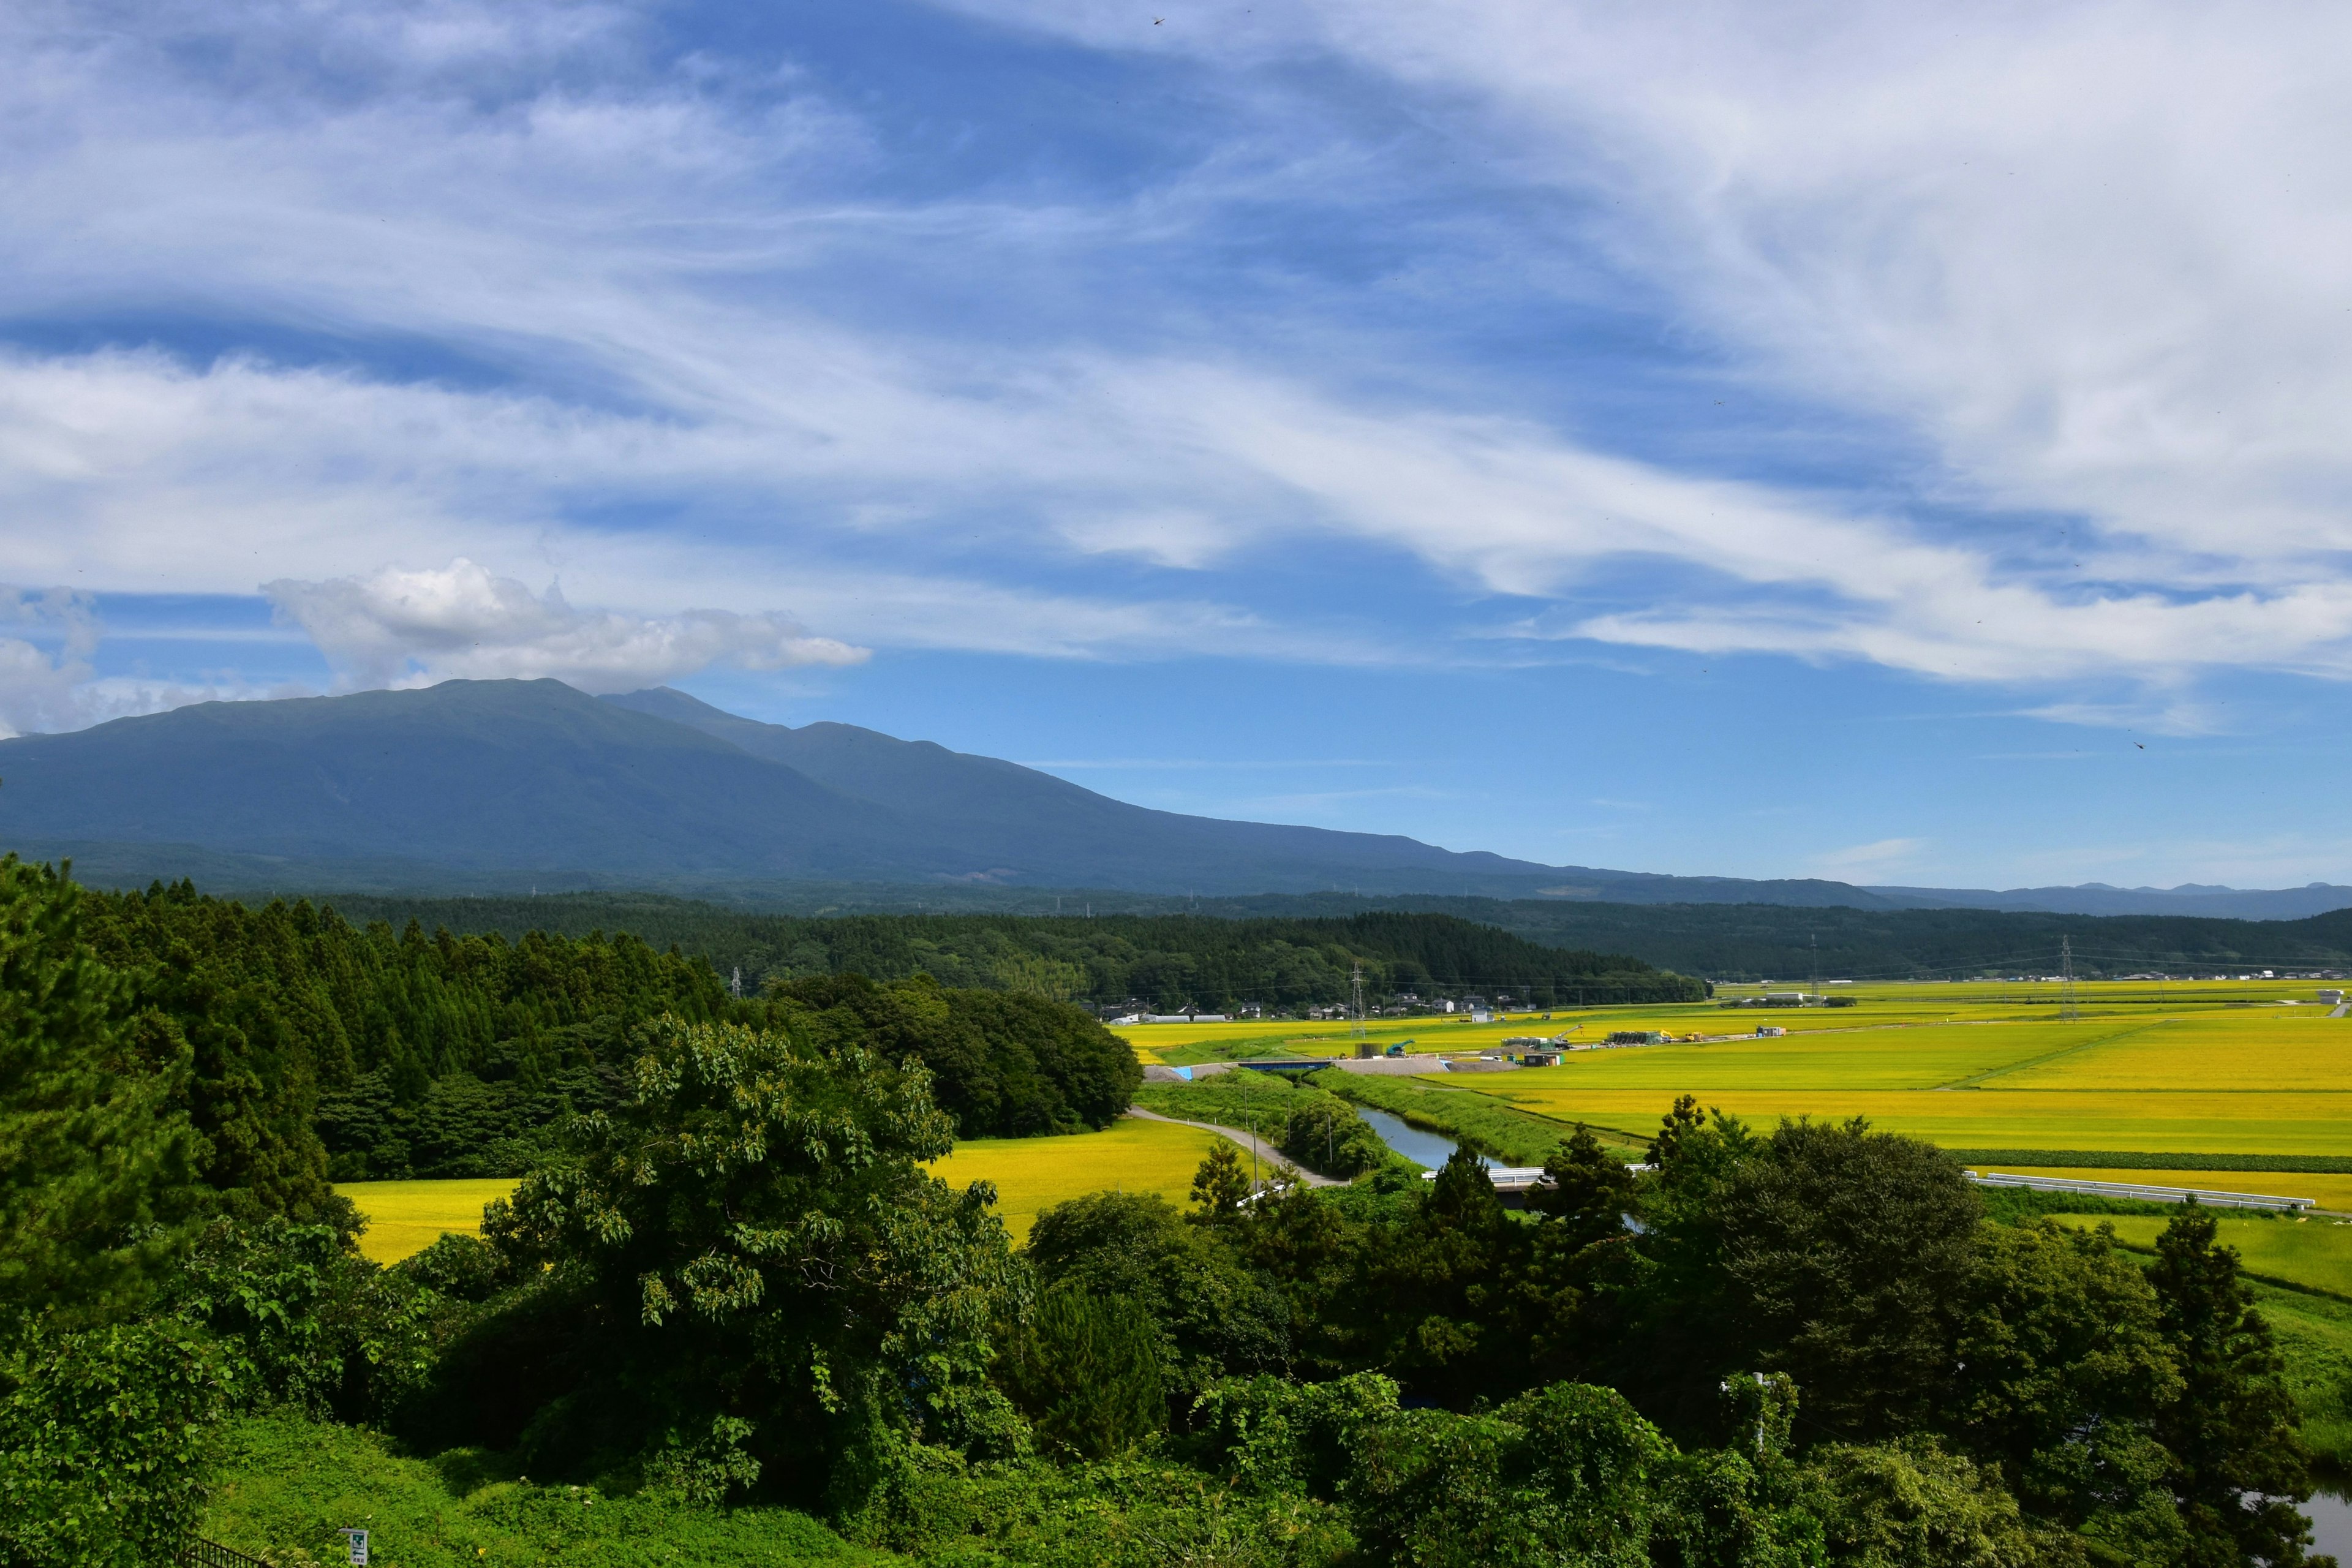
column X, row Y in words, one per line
column 2185, row 1078
column 1032, row 1174
column 405, row 1217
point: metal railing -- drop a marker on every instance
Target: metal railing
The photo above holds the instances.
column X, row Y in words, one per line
column 2210, row 1199
column 202, row 1553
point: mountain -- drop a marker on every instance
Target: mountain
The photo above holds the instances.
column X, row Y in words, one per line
column 502, row 785
column 479, row 784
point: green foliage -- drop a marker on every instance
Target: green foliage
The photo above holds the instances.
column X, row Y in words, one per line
column 103, row 1438
column 92, row 1159
column 1569, row 1473
column 1911, row 1505
column 749, row 1234
column 321, row 1049
column 2062, row 1366
column 1129, row 1513
column 1590, row 1191
column 1214, row 1315
column 1832, row 1253
column 1219, row 1188
column 286, row 1483
column 312, row 1324
column 2230, row 1431
column 1084, row 1369
column 1002, row 1066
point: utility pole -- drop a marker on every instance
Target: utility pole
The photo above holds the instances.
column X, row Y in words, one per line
column 1358, row 981
column 2066, row 1010
column 1814, row 943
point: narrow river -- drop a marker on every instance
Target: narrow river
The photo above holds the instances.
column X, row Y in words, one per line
column 2331, row 1525
column 1424, row 1148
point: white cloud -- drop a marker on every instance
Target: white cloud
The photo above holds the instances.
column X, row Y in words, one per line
column 46, row 680
column 393, row 628
column 2086, row 260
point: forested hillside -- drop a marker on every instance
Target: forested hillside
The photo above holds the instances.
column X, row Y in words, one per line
column 322, row 1050
column 1166, row 962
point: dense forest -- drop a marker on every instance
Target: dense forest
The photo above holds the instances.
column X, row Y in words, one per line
column 323, row 1051
column 1165, row 963
column 1718, row 941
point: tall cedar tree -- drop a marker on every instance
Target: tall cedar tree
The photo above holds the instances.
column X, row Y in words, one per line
column 2238, row 1465
column 93, row 1161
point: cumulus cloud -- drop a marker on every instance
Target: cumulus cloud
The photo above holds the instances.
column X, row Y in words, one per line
column 394, row 627
column 47, row 683
column 46, row 639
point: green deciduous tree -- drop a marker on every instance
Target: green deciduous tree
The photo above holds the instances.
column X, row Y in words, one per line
column 2061, row 1367
column 749, row 1237
column 103, row 1435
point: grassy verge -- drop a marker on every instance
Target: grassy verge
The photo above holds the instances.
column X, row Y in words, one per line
column 1334, row 1143
column 1244, row 1100
column 1479, row 1120
column 286, row 1485
column 2315, row 1337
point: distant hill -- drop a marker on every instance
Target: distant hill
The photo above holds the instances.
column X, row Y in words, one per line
column 492, row 788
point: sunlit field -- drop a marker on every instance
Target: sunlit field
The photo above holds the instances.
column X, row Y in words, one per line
column 1877, row 1005
column 2193, row 1074
column 1032, row 1174
column 405, row 1217
column 2314, row 1252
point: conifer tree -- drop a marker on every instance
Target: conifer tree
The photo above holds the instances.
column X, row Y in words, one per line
column 92, row 1161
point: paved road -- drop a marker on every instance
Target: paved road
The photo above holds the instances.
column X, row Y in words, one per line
column 1264, row 1151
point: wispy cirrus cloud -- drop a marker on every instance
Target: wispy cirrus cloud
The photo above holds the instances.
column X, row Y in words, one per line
column 551, row 289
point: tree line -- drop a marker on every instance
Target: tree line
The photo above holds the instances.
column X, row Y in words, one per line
column 734, row 1283
column 1169, row 963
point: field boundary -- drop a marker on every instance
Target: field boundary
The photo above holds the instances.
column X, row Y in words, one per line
column 1973, row 1079
column 2131, row 1160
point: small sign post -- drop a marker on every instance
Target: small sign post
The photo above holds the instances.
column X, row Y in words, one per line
column 358, row 1541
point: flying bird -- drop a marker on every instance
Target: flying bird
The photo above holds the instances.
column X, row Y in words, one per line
column 2141, row 744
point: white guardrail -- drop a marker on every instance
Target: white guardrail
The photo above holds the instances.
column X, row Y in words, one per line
column 2146, row 1193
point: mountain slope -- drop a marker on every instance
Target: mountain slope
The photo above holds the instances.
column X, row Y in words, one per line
column 485, row 786
column 469, row 775
column 535, row 779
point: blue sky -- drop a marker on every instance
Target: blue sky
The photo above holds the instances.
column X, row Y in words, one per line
column 1755, row 439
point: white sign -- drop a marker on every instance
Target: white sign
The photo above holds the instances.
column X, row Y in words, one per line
column 358, row 1539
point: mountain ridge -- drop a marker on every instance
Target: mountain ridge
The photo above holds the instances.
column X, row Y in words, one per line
column 498, row 787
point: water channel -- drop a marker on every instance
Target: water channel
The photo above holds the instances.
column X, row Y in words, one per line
column 1424, row 1148
column 2331, row 1525
column 2330, row 1516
